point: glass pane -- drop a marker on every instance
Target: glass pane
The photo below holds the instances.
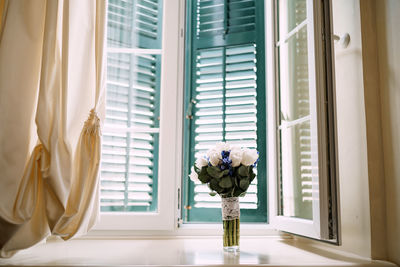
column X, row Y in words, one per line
column 132, row 90
column 296, row 178
column 293, row 78
column 130, row 159
column 134, row 23
column 291, row 14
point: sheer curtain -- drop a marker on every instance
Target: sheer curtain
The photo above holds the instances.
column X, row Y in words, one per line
column 51, row 105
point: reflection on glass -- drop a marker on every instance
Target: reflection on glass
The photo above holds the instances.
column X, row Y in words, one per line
column 296, row 167
column 132, row 90
column 134, row 24
column 291, row 14
column 130, row 136
column 293, row 77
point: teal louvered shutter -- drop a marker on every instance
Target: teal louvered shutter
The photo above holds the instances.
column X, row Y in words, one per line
column 225, row 97
column 130, row 136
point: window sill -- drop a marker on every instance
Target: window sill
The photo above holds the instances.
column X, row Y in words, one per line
column 184, row 251
column 194, row 229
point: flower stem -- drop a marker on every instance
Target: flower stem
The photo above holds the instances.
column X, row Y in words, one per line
column 231, row 232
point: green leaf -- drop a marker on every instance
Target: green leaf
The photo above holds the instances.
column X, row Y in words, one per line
column 242, row 194
column 236, row 181
column 204, row 178
column 225, row 182
column 244, row 184
column 212, row 193
column 252, row 176
column 197, row 170
column 203, row 175
column 214, row 186
column 237, row 192
column 243, row 171
column 215, row 172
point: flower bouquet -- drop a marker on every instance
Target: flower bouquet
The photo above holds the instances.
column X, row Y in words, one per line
column 228, row 172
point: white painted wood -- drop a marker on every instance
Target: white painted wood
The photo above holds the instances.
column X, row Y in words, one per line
column 130, row 130
column 287, row 124
column 318, row 227
column 134, row 51
column 292, row 32
column 170, row 130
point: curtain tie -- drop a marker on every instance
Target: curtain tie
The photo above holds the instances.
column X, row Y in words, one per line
column 92, row 124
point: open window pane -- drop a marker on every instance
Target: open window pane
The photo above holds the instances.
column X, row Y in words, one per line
column 293, row 78
column 305, row 185
column 133, row 165
column 291, row 14
column 130, row 143
column 134, row 23
column 296, row 173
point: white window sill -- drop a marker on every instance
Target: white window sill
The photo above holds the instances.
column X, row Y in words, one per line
column 187, row 229
column 184, row 251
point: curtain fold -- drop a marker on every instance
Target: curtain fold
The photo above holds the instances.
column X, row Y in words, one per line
column 51, row 78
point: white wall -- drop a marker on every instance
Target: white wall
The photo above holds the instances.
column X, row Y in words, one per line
column 388, row 33
column 351, row 124
column 372, row 99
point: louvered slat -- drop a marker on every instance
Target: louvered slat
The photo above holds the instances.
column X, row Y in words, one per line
column 226, row 108
column 216, row 19
column 224, row 101
column 134, row 23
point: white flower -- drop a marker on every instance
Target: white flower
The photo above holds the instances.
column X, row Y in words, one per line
column 194, row 176
column 222, row 146
column 214, row 156
column 201, row 162
column 236, row 155
column 249, row 157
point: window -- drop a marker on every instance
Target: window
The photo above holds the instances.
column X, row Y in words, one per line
column 139, row 110
column 225, row 97
column 130, row 138
column 302, row 101
column 256, row 74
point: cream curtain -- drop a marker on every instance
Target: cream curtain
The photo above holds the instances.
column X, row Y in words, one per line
column 51, row 80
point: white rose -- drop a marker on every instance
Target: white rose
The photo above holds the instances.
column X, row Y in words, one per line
column 214, row 156
column 201, row 162
column 222, row 146
column 194, row 176
column 249, row 157
column 236, row 156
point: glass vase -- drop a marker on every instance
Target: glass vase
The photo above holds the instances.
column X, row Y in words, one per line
column 231, row 224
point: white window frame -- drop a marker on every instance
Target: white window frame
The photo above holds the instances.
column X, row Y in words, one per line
column 318, row 227
column 169, row 137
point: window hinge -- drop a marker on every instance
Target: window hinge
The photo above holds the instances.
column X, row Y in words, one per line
column 189, row 115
